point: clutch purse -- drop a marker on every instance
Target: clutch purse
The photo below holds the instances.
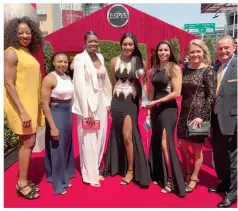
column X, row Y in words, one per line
column 87, row 126
column 204, row 130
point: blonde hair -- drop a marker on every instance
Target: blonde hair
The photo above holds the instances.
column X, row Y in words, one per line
column 206, row 53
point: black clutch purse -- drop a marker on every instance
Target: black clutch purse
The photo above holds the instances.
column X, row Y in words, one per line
column 205, row 128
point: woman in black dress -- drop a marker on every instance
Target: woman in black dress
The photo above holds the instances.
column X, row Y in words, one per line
column 125, row 154
column 199, row 92
column 165, row 86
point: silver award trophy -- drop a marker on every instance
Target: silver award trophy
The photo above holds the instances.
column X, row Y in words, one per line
column 140, row 74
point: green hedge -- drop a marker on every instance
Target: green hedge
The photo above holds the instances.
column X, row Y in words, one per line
column 176, row 47
column 48, row 54
column 10, row 138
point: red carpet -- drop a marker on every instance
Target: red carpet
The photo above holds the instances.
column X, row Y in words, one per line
column 111, row 194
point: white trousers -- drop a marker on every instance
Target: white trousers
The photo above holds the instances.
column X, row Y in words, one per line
column 91, row 145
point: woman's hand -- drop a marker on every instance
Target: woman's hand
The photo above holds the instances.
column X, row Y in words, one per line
column 151, row 104
column 196, row 123
column 90, row 119
column 54, row 132
column 26, row 119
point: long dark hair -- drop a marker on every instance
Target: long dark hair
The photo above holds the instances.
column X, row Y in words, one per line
column 136, row 52
column 11, row 34
column 172, row 59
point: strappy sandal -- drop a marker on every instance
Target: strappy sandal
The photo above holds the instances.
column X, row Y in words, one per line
column 124, row 182
column 190, row 189
column 169, row 186
column 33, row 185
column 188, row 180
column 29, row 196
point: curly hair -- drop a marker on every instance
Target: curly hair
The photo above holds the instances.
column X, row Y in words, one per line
column 11, row 34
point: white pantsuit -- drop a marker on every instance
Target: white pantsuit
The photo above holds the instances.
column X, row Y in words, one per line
column 93, row 88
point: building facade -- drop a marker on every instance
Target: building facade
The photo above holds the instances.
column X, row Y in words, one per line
column 55, row 16
column 231, row 23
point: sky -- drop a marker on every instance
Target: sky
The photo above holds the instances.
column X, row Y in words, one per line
column 180, row 14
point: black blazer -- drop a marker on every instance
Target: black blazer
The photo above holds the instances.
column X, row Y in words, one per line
column 226, row 99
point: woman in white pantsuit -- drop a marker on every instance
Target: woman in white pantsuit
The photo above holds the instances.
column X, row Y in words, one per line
column 92, row 97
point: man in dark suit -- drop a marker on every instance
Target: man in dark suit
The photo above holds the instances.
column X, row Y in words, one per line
column 224, row 122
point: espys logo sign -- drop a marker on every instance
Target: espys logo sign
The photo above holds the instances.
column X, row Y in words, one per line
column 118, row 15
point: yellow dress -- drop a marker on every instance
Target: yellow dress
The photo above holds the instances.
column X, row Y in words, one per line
column 28, row 85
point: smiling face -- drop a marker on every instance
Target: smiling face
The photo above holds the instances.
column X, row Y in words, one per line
column 164, row 53
column 91, row 44
column 60, row 63
column 24, row 35
column 225, row 49
column 128, row 47
column 196, row 54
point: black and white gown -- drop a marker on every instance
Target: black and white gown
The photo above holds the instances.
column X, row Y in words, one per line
column 125, row 102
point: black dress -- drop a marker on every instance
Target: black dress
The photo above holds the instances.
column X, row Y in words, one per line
column 164, row 116
column 205, row 80
column 121, row 106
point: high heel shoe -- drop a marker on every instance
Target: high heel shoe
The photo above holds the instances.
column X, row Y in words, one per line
column 190, row 189
column 186, row 179
column 31, row 195
column 124, row 182
column 169, row 186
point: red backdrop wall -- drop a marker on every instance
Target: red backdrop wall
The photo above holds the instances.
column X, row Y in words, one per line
column 148, row 30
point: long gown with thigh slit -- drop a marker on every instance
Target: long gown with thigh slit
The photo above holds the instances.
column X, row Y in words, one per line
column 125, row 102
column 163, row 117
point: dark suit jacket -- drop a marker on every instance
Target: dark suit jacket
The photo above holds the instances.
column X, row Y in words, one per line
column 226, row 99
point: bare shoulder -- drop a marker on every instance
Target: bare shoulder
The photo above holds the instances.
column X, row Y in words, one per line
column 114, row 61
column 10, row 55
column 177, row 70
column 49, row 80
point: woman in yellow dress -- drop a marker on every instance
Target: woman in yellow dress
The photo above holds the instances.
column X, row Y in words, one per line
column 22, row 81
